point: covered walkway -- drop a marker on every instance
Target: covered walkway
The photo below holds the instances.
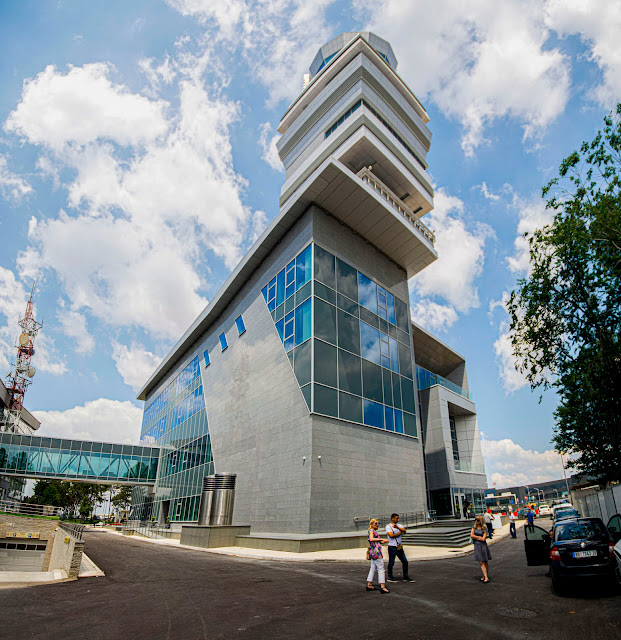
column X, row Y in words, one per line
column 60, row 459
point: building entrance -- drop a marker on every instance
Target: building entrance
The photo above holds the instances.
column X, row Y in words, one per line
column 164, row 512
column 460, row 506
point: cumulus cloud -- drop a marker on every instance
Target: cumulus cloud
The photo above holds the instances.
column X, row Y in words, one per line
column 100, row 420
column 478, row 61
column 267, row 144
column 598, row 24
column 277, row 39
column 511, row 379
column 12, row 186
column 73, row 325
column 531, row 217
column 151, row 191
column 83, row 106
column 13, row 298
column 509, row 464
column 460, row 246
column 433, row 316
column 134, row 363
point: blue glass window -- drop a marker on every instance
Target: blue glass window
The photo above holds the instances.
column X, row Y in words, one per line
column 303, row 322
column 389, row 416
column 289, row 331
column 390, row 300
column 290, row 279
column 394, row 355
column 303, row 267
column 280, row 327
column 369, row 343
column 373, row 414
column 206, row 356
column 385, row 350
column 367, row 293
column 223, row 342
column 280, row 287
column 241, row 327
column 271, row 295
column 398, row 421
column 382, row 303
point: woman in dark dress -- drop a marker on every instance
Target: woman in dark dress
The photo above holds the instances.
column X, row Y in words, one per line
column 481, row 552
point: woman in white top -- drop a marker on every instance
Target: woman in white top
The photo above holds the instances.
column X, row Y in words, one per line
column 375, row 556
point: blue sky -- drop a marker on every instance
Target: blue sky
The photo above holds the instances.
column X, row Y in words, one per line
column 137, row 165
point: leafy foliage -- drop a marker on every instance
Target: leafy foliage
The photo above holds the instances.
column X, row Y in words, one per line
column 74, row 497
column 566, row 315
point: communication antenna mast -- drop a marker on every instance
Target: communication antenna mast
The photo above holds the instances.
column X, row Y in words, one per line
column 23, row 372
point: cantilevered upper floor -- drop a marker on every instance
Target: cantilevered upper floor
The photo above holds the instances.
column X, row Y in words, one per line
column 355, row 143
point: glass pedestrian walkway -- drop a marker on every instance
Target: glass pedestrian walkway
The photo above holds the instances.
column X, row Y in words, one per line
column 60, row 459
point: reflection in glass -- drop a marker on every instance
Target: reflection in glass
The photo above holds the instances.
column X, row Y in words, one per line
column 369, row 343
column 367, row 293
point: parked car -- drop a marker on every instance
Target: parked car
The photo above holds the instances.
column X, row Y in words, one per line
column 545, row 510
column 577, row 548
column 563, row 514
column 614, row 528
column 561, row 505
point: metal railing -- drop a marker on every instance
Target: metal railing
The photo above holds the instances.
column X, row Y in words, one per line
column 72, row 528
column 25, row 509
column 147, row 529
column 366, row 175
column 463, row 465
column 426, row 379
column 411, row 519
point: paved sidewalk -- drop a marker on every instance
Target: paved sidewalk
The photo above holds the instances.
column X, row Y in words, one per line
column 414, row 553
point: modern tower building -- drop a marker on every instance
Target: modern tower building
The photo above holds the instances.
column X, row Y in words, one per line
column 305, row 375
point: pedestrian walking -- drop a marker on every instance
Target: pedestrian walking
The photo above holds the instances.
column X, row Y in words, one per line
column 481, row 550
column 530, row 518
column 374, row 554
column 395, row 548
column 488, row 518
column 512, row 530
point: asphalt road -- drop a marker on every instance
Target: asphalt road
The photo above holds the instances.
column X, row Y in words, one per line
column 156, row 592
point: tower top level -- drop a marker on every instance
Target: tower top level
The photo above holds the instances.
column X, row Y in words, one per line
column 331, row 48
column 355, row 143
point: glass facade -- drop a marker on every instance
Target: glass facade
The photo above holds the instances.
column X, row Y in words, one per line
column 348, row 341
column 41, row 457
column 178, row 425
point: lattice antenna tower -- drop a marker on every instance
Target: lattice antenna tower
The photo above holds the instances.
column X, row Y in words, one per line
column 23, row 371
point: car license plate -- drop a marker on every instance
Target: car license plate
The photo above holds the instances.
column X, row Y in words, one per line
column 584, row 554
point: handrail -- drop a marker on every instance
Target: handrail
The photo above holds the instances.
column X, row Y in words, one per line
column 72, row 528
column 26, row 509
column 413, row 518
column 366, row 175
column 148, row 529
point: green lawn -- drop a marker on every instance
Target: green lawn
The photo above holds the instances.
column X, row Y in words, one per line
column 25, row 515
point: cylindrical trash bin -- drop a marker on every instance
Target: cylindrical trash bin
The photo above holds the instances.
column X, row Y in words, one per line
column 217, row 499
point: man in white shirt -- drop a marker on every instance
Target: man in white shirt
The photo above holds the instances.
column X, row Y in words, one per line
column 488, row 518
column 512, row 530
column 395, row 548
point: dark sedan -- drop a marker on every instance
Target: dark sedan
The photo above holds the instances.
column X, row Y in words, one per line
column 577, row 548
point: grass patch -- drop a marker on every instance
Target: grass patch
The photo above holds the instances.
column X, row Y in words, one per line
column 25, row 515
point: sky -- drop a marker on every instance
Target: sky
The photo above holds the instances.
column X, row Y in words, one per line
column 137, row 166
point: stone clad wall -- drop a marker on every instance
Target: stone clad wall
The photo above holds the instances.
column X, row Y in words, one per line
column 45, row 529
column 66, row 553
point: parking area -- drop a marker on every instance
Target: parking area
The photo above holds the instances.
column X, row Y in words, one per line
column 155, row 592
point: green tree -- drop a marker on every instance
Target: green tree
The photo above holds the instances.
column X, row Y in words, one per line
column 566, row 315
column 121, row 495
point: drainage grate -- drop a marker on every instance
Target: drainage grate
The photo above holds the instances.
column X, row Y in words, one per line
column 514, row 612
